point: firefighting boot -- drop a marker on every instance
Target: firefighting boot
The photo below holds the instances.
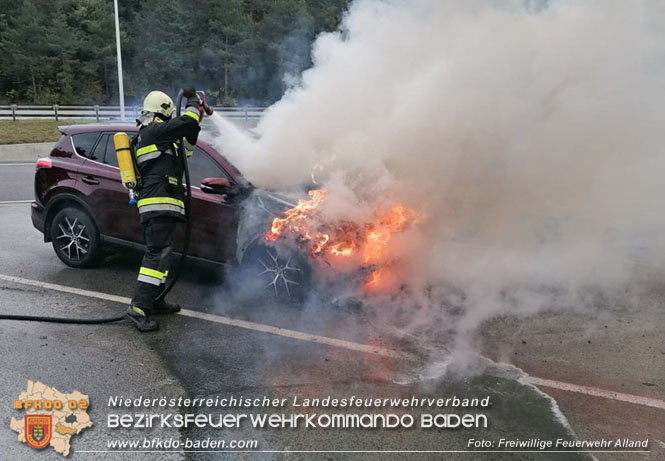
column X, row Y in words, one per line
column 162, row 307
column 139, row 318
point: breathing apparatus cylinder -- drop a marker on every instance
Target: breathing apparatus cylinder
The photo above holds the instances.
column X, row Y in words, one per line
column 126, row 164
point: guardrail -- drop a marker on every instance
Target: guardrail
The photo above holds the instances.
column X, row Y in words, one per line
column 99, row 113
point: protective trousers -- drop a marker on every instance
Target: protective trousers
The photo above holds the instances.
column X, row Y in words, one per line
column 159, row 235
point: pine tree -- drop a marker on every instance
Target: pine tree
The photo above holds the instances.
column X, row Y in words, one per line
column 238, row 50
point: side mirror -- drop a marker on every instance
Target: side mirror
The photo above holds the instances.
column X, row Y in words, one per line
column 219, row 186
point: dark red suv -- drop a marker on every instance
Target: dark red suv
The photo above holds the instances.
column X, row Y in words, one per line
column 82, row 208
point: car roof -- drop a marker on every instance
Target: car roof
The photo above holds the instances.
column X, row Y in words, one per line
column 87, row 127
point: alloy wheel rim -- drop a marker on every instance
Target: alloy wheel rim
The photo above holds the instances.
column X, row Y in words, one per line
column 73, row 239
column 280, row 273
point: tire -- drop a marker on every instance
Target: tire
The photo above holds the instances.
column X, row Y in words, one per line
column 75, row 238
column 266, row 272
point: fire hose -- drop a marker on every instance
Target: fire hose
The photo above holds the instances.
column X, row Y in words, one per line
column 188, row 207
column 181, row 262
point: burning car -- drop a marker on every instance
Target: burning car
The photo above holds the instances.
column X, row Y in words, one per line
column 81, row 207
column 344, row 246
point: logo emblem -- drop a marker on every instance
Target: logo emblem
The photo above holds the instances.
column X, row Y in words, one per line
column 38, row 430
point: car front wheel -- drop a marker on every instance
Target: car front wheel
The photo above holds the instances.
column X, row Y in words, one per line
column 75, row 238
column 271, row 273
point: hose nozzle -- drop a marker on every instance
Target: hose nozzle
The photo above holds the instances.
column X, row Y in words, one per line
column 206, row 108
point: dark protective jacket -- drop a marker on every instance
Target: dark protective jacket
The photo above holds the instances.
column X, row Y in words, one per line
column 161, row 170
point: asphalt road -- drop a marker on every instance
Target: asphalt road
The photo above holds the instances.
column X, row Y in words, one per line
column 16, row 181
column 192, row 357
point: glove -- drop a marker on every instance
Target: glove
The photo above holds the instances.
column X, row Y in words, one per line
column 188, row 92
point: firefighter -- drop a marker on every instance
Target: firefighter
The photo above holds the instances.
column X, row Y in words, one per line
column 161, row 196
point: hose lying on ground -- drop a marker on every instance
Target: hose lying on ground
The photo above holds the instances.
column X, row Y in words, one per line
column 35, row 318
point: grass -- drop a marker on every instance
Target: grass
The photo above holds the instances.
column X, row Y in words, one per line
column 22, row 131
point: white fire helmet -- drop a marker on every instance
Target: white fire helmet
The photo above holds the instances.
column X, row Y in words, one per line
column 158, row 103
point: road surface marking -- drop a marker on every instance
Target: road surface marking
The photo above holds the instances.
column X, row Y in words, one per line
column 295, row 334
column 592, row 391
column 11, row 202
column 65, row 289
column 223, row 320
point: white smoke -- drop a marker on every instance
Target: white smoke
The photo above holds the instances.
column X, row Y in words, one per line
column 530, row 134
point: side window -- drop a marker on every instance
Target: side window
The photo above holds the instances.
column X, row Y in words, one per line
column 201, row 166
column 109, row 157
column 84, row 143
column 98, row 153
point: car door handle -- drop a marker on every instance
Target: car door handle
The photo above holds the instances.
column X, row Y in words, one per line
column 89, row 180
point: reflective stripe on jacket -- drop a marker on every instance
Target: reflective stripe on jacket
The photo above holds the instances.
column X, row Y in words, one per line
column 147, row 205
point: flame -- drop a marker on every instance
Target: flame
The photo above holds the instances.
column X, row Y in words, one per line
column 373, row 279
column 294, row 219
column 365, row 243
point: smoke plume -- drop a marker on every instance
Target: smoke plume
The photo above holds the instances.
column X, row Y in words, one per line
column 529, row 135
